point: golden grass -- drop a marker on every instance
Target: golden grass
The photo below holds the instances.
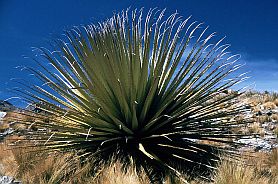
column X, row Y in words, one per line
column 274, row 117
column 263, row 119
column 31, row 167
column 7, row 161
column 269, row 105
column 255, row 128
column 3, row 127
column 272, row 162
column 276, row 131
column 12, row 120
column 257, row 168
column 113, row 174
column 251, row 128
column 268, row 100
column 275, row 102
column 236, row 173
column 232, row 173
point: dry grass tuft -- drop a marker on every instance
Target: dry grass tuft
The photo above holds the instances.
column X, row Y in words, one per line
column 275, row 102
column 3, row 127
column 29, row 167
column 7, row 161
column 263, row 119
column 272, row 162
column 269, row 105
column 231, row 173
column 256, row 129
column 276, row 131
column 258, row 169
column 274, row 117
column 113, row 174
column 265, row 100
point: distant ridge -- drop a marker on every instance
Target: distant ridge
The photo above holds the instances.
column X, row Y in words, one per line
column 6, row 106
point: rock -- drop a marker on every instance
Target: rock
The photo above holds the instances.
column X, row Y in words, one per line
column 269, row 113
column 6, row 133
column 2, row 114
column 259, row 144
column 8, row 180
column 275, row 111
column 259, row 113
column 248, row 106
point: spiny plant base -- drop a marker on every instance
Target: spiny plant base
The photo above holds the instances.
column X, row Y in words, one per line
column 143, row 86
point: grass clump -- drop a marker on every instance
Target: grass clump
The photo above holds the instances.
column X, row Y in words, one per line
column 256, row 168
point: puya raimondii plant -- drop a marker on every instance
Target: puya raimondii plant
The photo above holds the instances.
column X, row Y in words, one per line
column 142, row 87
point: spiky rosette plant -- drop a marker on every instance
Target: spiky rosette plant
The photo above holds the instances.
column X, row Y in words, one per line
column 149, row 89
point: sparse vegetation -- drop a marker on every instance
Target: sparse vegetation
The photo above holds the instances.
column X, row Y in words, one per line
column 230, row 172
column 262, row 112
column 255, row 98
column 276, row 131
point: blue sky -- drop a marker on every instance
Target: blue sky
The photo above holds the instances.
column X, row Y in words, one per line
column 250, row 26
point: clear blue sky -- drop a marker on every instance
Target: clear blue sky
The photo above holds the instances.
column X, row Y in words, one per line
column 250, row 26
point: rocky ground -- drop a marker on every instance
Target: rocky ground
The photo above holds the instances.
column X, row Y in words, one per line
column 8, row 180
column 6, row 107
column 3, row 134
column 262, row 112
column 264, row 138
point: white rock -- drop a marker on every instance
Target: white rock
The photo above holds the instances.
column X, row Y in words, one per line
column 2, row 114
column 8, row 180
column 258, row 143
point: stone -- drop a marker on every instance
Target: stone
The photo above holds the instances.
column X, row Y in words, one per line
column 2, row 114
column 8, row 180
column 6, row 133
